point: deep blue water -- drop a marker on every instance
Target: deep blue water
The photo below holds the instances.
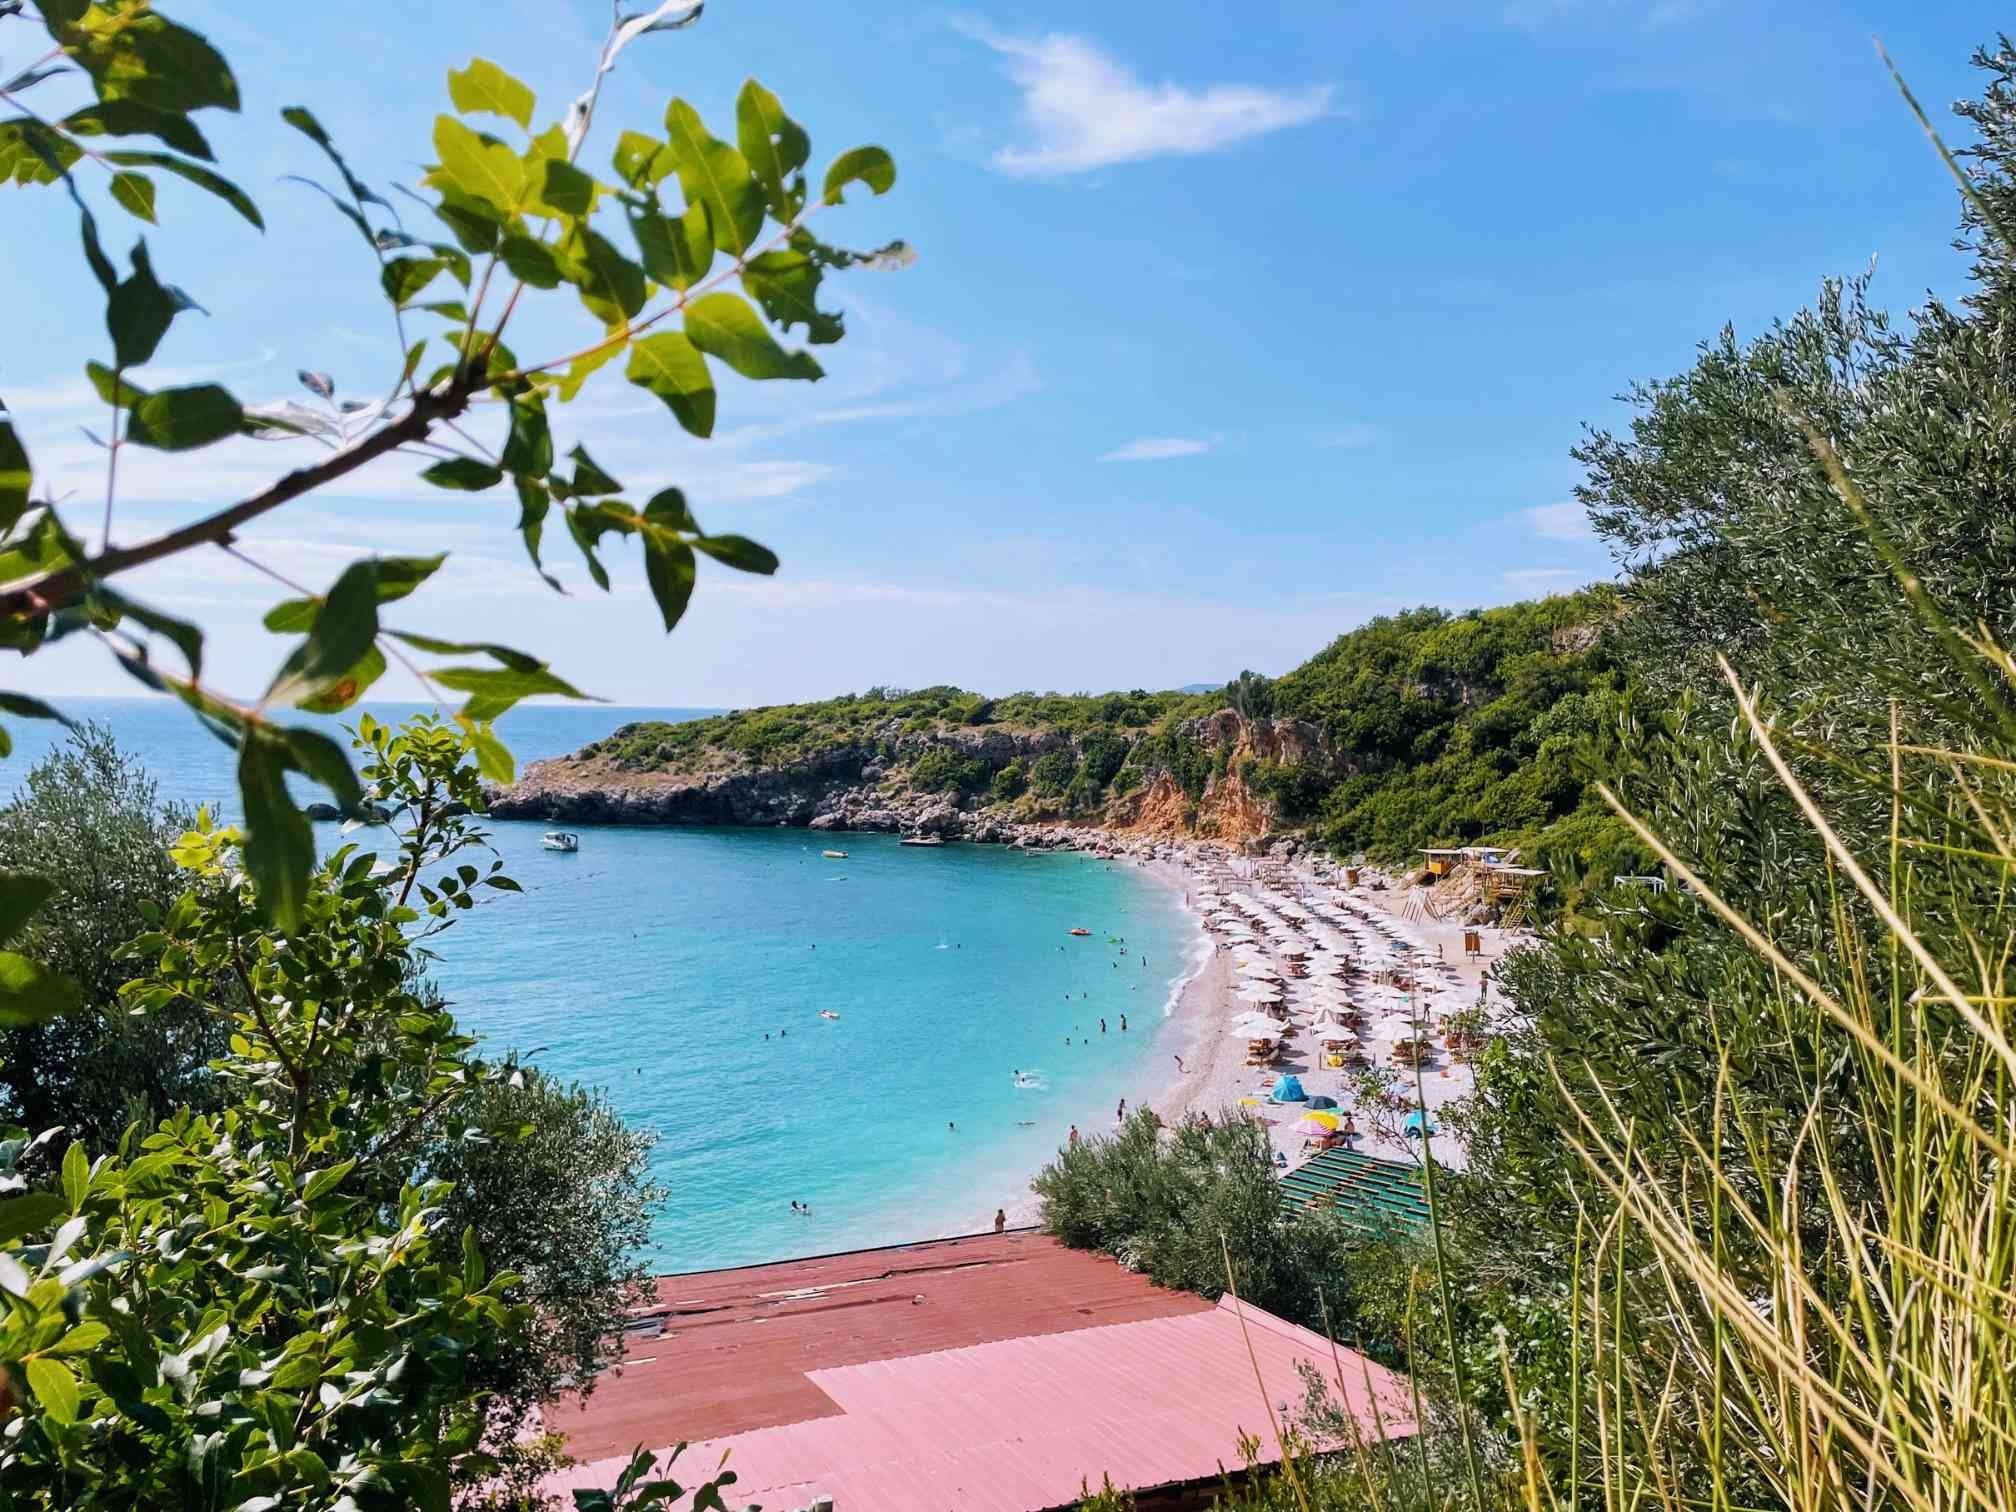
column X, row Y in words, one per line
column 654, row 962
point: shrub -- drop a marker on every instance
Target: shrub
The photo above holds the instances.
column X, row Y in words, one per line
column 1011, row 782
column 1052, row 773
column 942, row 769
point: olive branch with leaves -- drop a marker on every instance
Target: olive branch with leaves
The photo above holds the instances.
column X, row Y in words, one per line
column 518, row 215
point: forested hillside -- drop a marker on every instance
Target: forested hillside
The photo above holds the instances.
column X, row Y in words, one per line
column 1421, row 728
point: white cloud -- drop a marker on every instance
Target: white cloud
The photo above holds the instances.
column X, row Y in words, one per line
column 1084, row 109
column 1565, row 521
column 1158, row 449
column 1350, row 437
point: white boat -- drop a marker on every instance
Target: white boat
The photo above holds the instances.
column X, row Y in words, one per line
column 560, row 840
column 834, row 855
column 921, row 840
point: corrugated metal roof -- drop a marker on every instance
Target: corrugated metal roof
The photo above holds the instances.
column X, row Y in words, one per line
column 1021, row 1422
column 737, row 1345
column 1369, row 1192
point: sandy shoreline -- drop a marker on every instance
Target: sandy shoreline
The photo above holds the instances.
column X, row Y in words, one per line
column 1215, row 1077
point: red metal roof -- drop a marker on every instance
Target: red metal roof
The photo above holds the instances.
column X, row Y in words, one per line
column 993, row 1372
column 738, row 1343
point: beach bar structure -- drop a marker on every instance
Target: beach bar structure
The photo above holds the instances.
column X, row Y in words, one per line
column 996, row 1373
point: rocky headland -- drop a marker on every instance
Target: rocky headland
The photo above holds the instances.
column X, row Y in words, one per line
column 945, row 780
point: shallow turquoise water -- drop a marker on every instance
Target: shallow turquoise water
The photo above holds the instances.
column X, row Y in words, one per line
column 655, row 961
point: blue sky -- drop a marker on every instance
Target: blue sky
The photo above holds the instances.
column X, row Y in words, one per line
column 1230, row 326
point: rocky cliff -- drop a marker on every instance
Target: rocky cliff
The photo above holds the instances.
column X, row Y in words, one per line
column 1189, row 780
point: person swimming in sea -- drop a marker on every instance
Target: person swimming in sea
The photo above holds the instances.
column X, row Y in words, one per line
column 1123, row 1023
column 1102, row 1026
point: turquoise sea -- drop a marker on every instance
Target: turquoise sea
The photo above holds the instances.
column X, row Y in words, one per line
column 684, row 970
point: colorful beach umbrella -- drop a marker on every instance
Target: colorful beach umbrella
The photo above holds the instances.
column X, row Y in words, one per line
column 1317, row 1124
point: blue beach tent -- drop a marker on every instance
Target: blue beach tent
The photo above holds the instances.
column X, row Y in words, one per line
column 1288, row 1089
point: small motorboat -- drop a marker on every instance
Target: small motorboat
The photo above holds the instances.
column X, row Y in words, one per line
column 828, row 1013
column 834, row 855
column 561, row 840
column 1082, row 933
column 922, row 840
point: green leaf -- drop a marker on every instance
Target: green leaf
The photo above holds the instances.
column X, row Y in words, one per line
column 489, row 171
column 640, row 161
column 22, row 895
column 567, row 189
column 146, row 58
column 139, row 311
column 472, row 1260
column 671, row 367
column 111, row 387
column 131, row 118
column 279, row 846
column 485, row 87
column 464, row 473
column 494, row 690
column 76, row 1175
column 715, row 175
column 475, row 222
column 195, row 173
column 399, row 576
column 135, row 192
column 668, row 568
column 30, row 993
column 533, row 503
column 24, row 1215
column 864, row 165
column 516, row 660
column 24, row 706
column 589, row 479
column 568, row 384
column 724, row 325
column 528, row 447
column 785, row 283
column 82, row 1339
column 180, row 419
column 677, row 250
column 107, row 607
column 346, row 625
column 54, row 1387
column 404, row 277
column 32, row 153
column 530, row 261
column 341, row 692
column 774, row 146
column 739, row 552
column 323, row 1182
column 15, row 475
column 321, row 759
column 612, row 286
column 493, row 757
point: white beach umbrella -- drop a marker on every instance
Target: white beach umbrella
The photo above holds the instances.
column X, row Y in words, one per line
column 1397, row 1026
column 1259, row 994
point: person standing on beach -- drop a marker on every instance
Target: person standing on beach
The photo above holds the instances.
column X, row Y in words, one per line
column 1179, row 1067
column 1000, row 1219
column 1074, row 1137
column 1120, row 1113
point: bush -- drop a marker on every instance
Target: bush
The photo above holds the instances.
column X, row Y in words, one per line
column 1172, row 1202
column 1052, row 773
column 942, row 769
column 1011, row 782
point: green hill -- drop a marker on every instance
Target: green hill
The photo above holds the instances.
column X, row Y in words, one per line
column 1420, row 728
